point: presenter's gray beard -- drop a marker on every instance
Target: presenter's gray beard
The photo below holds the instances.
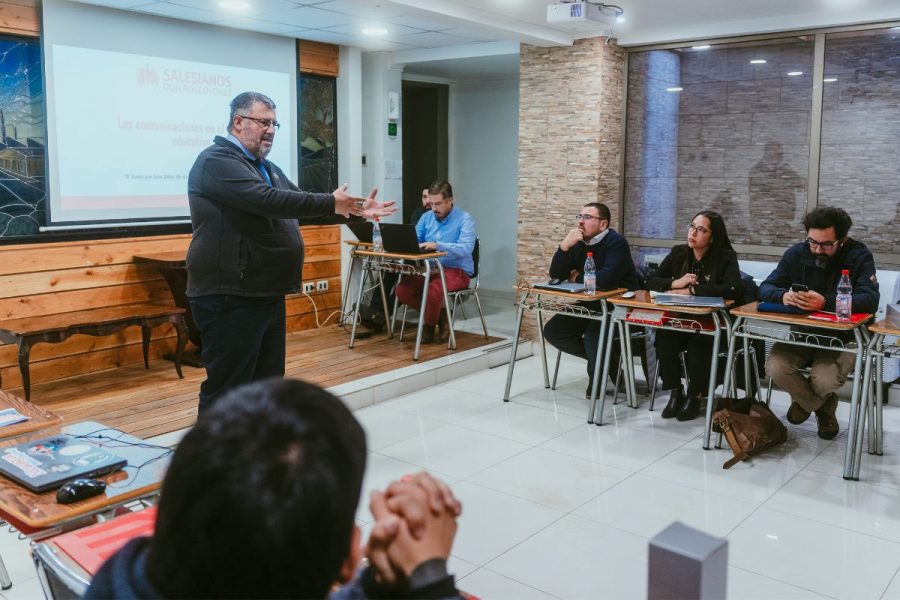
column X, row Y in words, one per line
column 264, row 150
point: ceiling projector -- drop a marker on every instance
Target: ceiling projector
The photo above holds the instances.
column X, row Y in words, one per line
column 579, row 16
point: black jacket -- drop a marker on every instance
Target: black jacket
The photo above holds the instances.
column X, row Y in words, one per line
column 719, row 278
column 246, row 239
column 124, row 577
column 612, row 257
column 798, row 265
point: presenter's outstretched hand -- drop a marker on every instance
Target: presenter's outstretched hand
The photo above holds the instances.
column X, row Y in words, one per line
column 372, row 208
column 345, row 204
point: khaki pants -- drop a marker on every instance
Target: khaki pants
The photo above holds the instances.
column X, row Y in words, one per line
column 828, row 370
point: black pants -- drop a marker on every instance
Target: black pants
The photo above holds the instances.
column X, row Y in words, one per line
column 243, row 341
column 699, row 352
column 578, row 337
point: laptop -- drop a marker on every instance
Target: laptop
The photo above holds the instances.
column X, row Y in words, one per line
column 362, row 230
column 48, row 463
column 562, row 286
column 685, row 300
column 401, row 238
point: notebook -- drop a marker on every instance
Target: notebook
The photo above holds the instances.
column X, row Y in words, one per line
column 401, row 238
column 91, row 546
column 48, row 463
column 362, row 230
column 563, row 286
column 686, row 300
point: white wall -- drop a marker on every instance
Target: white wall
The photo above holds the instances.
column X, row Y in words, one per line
column 350, row 132
column 378, row 78
column 484, row 133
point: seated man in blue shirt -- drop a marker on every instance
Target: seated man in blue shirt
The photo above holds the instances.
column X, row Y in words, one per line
column 444, row 229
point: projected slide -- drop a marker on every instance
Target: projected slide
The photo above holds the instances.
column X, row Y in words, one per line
column 128, row 129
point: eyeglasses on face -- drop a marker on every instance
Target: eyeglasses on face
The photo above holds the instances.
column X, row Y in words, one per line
column 699, row 229
column 266, row 123
column 587, row 218
column 823, row 245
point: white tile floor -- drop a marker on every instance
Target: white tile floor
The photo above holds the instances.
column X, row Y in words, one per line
column 554, row 507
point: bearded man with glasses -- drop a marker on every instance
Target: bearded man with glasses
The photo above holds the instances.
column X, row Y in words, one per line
column 614, row 268
column 816, row 264
column 246, row 252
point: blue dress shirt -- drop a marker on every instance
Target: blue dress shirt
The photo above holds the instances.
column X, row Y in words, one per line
column 455, row 235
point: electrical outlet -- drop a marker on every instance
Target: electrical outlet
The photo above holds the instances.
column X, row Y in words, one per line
column 322, row 285
column 308, row 286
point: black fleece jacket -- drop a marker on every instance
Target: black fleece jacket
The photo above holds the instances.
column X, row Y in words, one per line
column 246, row 239
column 717, row 276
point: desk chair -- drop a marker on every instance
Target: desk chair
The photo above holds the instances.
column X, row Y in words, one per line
column 459, row 296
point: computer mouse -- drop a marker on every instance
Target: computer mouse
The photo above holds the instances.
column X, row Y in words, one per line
column 79, row 489
column 628, row 295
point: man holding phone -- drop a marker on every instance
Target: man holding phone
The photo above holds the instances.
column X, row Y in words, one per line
column 807, row 278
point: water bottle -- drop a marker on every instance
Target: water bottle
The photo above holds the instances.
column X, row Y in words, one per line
column 590, row 274
column 377, row 244
column 844, row 304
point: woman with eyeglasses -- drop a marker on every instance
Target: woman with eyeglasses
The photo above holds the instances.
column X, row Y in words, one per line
column 705, row 266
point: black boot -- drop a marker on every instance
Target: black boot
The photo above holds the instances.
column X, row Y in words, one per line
column 676, row 402
column 690, row 410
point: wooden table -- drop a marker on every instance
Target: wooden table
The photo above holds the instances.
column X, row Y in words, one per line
column 876, row 352
column 403, row 264
column 677, row 318
column 38, row 417
column 561, row 303
column 752, row 324
column 173, row 267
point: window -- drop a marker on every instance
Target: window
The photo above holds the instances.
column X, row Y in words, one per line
column 318, row 133
column 722, row 128
column 22, row 138
column 861, row 133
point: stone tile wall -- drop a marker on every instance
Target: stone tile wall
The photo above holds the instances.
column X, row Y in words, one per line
column 570, row 124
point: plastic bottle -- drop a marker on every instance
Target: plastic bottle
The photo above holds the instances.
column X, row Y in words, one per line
column 377, row 244
column 590, row 274
column 844, row 303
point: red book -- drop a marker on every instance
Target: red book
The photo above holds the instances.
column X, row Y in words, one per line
column 91, row 546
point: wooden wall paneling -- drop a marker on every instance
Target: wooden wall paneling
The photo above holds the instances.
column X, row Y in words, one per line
column 20, row 17
column 318, row 58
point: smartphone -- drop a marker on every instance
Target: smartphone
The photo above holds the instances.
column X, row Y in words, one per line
column 799, row 287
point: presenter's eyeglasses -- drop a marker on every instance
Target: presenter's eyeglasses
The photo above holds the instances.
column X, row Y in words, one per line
column 587, row 218
column 813, row 244
column 266, row 123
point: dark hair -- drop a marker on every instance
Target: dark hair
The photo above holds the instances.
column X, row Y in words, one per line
column 829, row 216
column 244, row 102
column 720, row 240
column 602, row 210
column 260, row 498
column 442, row 187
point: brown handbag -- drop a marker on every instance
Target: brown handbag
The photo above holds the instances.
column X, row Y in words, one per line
column 749, row 434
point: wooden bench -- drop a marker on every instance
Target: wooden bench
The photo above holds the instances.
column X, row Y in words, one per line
column 56, row 328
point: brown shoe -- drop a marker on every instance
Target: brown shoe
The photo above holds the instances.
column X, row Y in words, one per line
column 443, row 327
column 828, row 424
column 428, row 334
column 796, row 414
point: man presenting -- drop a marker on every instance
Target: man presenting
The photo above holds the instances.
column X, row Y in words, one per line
column 444, row 229
column 612, row 257
column 246, row 252
column 816, row 264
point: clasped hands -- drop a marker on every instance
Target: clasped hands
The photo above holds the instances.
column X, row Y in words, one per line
column 370, row 208
column 683, row 284
column 809, row 301
column 415, row 521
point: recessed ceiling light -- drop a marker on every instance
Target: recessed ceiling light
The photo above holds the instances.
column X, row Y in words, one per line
column 620, row 19
column 758, row 61
column 234, row 4
column 674, row 89
column 374, row 31
column 830, row 79
column 794, row 73
column 703, row 47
